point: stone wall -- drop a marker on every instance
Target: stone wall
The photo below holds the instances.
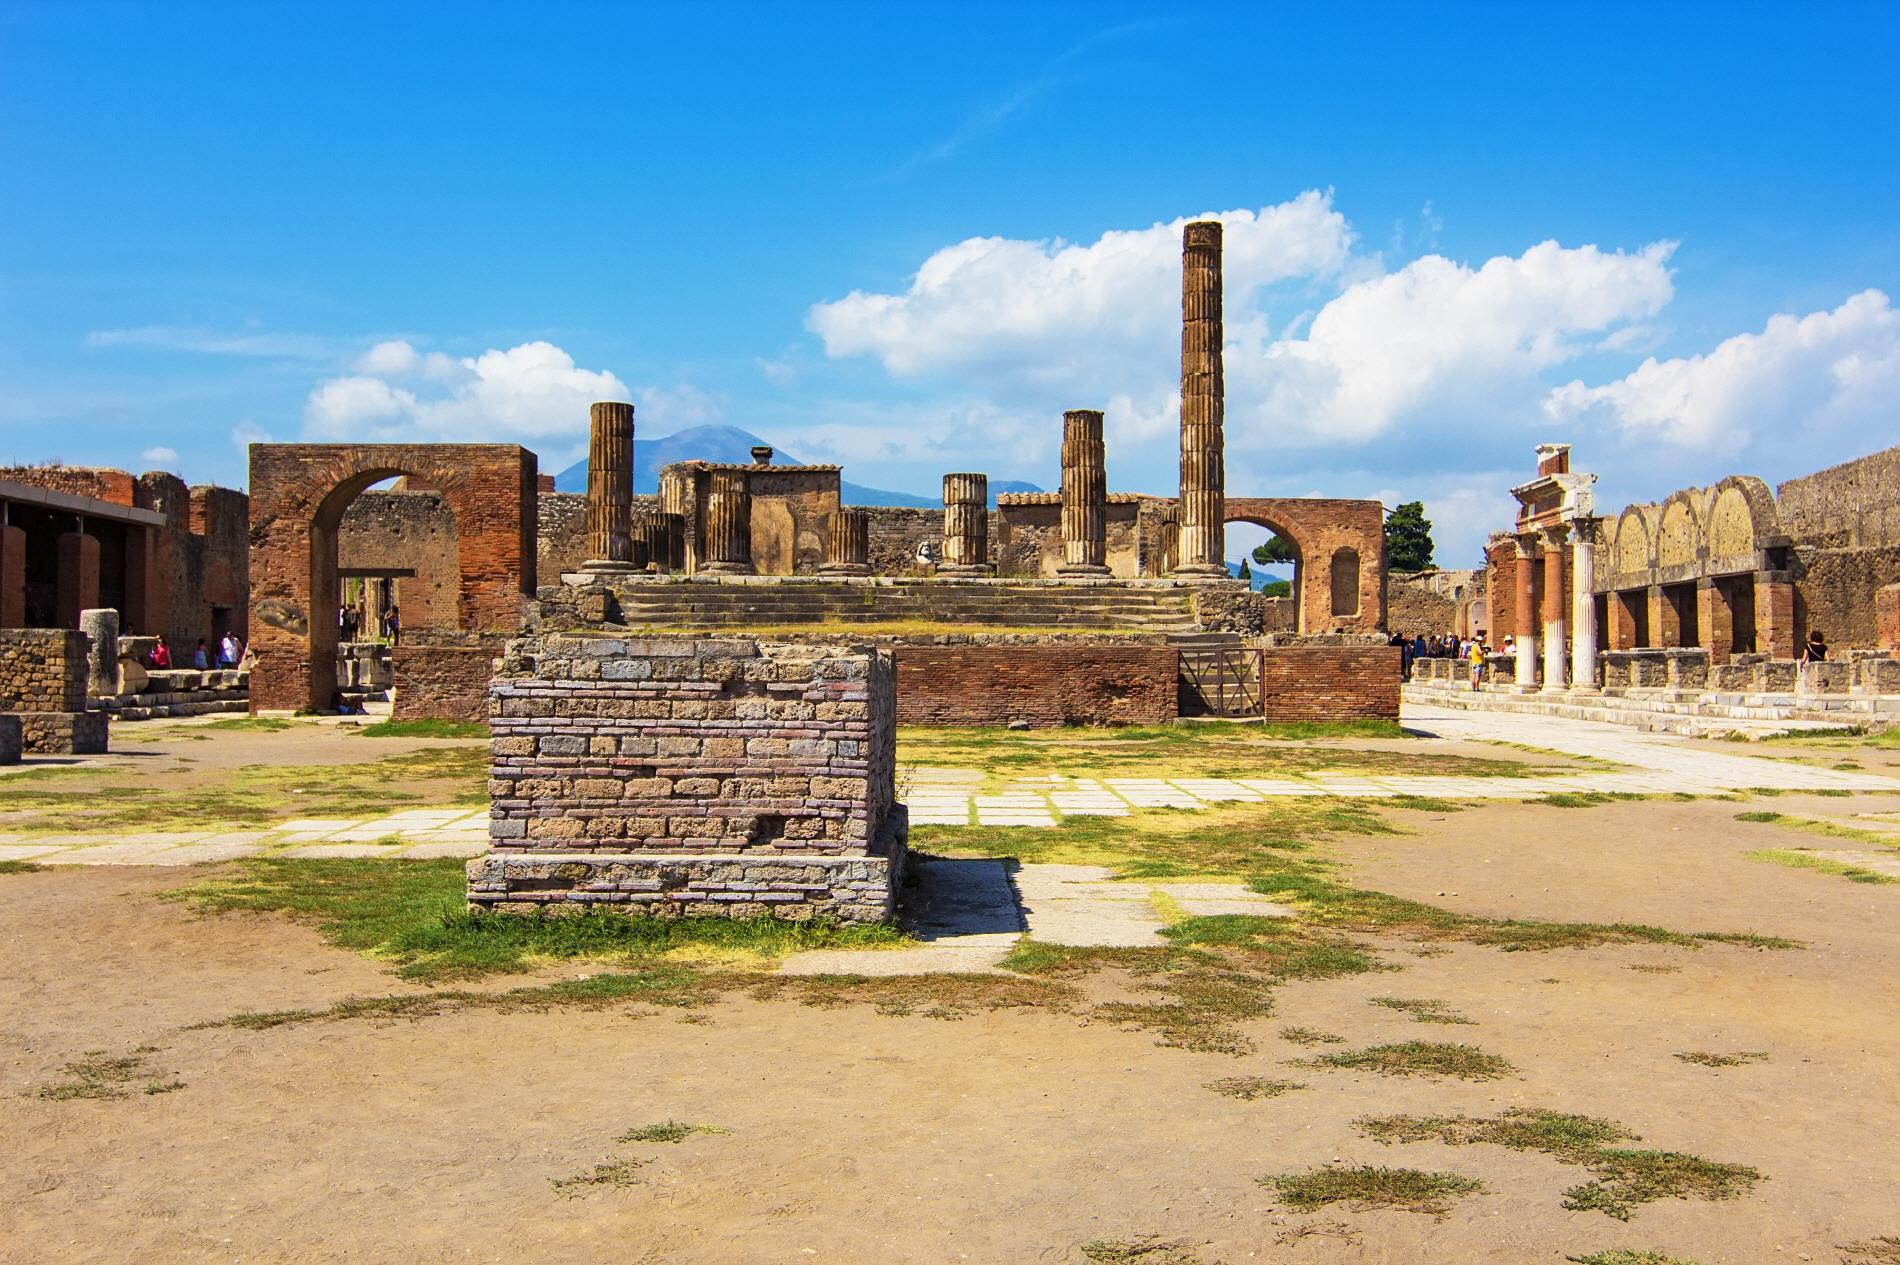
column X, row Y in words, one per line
column 43, row 683
column 896, row 531
column 691, row 777
column 412, row 530
column 1026, row 534
column 1835, row 592
column 1887, row 618
column 1235, row 608
column 1855, row 504
column 443, row 675
column 1413, row 605
column 1328, row 679
column 1053, row 683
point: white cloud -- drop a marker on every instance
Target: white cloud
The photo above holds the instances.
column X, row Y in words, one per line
column 1826, row 373
column 529, row 392
column 1061, row 314
column 213, row 342
column 244, row 434
column 159, row 457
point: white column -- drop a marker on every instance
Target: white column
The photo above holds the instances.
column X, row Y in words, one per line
column 1583, row 611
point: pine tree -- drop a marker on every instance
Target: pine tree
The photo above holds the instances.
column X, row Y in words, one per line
column 1408, row 538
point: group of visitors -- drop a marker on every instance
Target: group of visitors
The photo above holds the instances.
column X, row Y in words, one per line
column 349, row 625
column 1467, row 650
column 229, row 654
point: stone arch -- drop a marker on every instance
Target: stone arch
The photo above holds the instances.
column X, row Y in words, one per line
column 1679, row 535
column 1344, row 579
column 1632, row 555
column 299, row 493
column 1742, row 522
column 1317, row 527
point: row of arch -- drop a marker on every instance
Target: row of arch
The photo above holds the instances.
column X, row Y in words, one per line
column 1717, row 530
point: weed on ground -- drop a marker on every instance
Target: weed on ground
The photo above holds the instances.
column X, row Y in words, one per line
column 1422, row 1009
column 1801, row 859
column 1623, row 1179
column 21, row 867
column 1145, row 1251
column 1366, row 1187
column 1309, row 1036
column 1622, row 1256
column 1249, row 1088
column 99, row 1075
column 670, row 1131
column 613, row 1173
column 1420, row 1058
column 424, row 728
column 1739, row 1059
column 1654, row 968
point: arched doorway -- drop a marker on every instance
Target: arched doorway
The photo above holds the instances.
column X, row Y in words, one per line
column 1339, row 552
column 299, row 493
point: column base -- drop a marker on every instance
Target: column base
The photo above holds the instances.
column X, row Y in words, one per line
column 844, row 568
column 1083, row 570
column 608, row 566
column 1203, row 571
column 727, row 568
column 966, row 570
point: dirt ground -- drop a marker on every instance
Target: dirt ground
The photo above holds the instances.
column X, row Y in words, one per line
column 1002, row 1137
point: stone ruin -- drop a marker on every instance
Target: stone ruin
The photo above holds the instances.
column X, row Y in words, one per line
column 692, row 777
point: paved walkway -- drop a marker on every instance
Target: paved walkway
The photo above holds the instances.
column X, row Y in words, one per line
column 413, row 833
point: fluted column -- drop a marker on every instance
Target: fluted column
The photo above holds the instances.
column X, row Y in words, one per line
column 728, row 540
column 1084, row 495
column 610, row 489
column 1554, row 646
column 640, row 537
column 1203, row 407
column 666, row 541
column 848, row 544
column 1583, row 606
column 966, row 525
column 1526, row 612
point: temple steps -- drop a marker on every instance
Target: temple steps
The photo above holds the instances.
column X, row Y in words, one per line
column 1098, row 607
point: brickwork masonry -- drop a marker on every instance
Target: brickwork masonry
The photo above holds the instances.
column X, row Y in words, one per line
column 43, row 683
column 692, row 777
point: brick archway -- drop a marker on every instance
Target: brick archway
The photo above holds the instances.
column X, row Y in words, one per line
column 1319, row 529
column 298, row 495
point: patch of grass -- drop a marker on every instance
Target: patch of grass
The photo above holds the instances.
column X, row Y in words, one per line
column 1623, row 1256
column 99, row 1075
column 1249, row 1088
column 248, row 724
column 927, row 996
column 1366, row 1187
column 413, row 914
column 1422, row 1009
column 1420, row 1058
column 1800, row 859
column 1829, row 829
column 21, row 867
column 1623, row 1179
column 1654, row 968
column 1424, row 803
column 618, row 1173
column 1708, row 1059
column 1145, row 1251
column 423, row 728
column 1584, row 799
column 1309, row 1036
column 670, row 1131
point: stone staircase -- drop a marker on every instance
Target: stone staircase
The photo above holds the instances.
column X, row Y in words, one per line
column 181, row 692
column 979, row 605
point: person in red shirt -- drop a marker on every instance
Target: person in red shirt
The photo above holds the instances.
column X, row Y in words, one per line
column 161, row 655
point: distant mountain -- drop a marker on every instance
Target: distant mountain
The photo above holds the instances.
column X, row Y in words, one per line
column 730, row 445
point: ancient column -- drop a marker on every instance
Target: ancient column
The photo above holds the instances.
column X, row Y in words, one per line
column 1084, row 495
column 668, row 536
column 1554, row 611
column 1583, row 605
column 609, row 489
column 728, row 539
column 76, row 586
column 101, row 626
column 1203, row 407
column 1525, row 613
column 848, row 544
column 640, row 542
column 966, row 525
column 13, row 575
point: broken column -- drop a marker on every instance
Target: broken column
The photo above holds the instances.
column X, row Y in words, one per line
column 728, row 541
column 609, row 489
column 848, row 544
column 1084, row 495
column 666, row 542
column 1203, row 407
column 101, row 626
column 966, row 525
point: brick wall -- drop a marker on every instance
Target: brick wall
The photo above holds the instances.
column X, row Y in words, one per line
column 1046, row 684
column 691, row 777
column 1324, row 682
column 42, row 670
column 1413, row 607
column 1887, row 618
column 1322, row 528
column 443, row 675
column 1836, row 593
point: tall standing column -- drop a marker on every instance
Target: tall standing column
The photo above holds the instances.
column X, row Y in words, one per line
column 1526, row 614
column 1554, row 612
column 1084, row 495
column 966, row 525
column 1203, row 407
column 610, row 489
column 1583, row 606
column 848, row 544
column 728, row 539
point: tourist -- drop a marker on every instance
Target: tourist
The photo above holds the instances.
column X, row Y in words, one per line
column 392, row 626
column 161, row 657
column 1476, row 655
column 199, row 658
column 1405, row 655
column 1816, row 649
column 228, row 654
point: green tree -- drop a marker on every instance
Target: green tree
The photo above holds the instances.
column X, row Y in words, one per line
column 1277, row 588
column 1244, row 573
column 1277, row 552
column 1408, row 538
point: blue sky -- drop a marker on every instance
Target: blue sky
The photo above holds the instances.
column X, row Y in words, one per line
column 906, row 238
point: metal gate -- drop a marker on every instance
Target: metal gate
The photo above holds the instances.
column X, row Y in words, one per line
column 1218, row 675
